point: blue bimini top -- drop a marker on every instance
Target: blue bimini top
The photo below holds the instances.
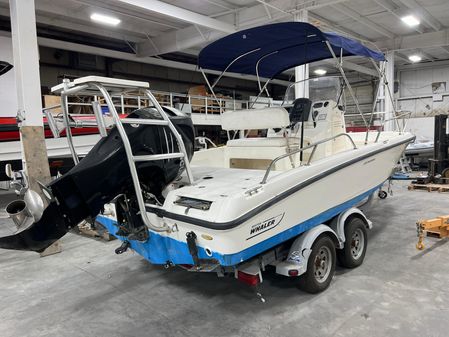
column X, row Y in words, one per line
column 271, row 49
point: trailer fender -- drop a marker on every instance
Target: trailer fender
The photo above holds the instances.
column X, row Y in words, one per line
column 338, row 224
column 300, row 250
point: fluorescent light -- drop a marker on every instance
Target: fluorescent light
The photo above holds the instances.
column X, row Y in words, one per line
column 108, row 20
column 320, row 72
column 415, row 58
column 410, row 20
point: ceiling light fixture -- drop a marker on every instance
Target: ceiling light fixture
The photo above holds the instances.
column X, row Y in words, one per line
column 415, row 58
column 410, row 20
column 107, row 20
column 320, row 72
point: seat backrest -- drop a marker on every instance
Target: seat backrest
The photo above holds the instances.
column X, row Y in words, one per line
column 255, row 119
column 300, row 110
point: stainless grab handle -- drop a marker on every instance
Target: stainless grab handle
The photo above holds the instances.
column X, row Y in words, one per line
column 314, row 146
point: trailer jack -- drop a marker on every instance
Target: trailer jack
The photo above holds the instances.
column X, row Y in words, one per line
column 437, row 227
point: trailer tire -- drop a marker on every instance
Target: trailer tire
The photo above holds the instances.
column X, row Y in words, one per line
column 320, row 266
column 354, row 250
column 382, row 194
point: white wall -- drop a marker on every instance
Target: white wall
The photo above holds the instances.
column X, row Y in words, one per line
column 422, row 128
column 8, row 95
column 418, row 82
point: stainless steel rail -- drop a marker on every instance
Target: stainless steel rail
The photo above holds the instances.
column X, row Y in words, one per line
column 119, row 124
column 311, row 146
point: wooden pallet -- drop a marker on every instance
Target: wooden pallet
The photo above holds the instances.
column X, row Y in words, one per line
column 429, row 187
column 98, row 231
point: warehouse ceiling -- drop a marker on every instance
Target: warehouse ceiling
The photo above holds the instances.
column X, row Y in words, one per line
column 180, row 28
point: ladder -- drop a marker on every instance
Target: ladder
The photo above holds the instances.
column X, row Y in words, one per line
column 404, row 164
column 104, row 85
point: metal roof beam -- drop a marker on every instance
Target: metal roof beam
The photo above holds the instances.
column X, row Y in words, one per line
column 423, row 13
column 387, row 5
column 426, row 40
column 426, row 55
column 189, row 37
column 317, row 4
column 367, row 22
column 445, row 48
column 80, row 48
column 419, row 52
column 181, row 14
column 336, row 28
column 243, row 18
column 398, row 12
column 420, row 65
column 402, row 57
column 61, row 23
column 60, row 16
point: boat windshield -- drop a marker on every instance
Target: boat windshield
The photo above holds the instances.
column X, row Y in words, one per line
column 320, row 89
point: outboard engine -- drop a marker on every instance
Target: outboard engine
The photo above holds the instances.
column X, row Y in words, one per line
column 101, row 177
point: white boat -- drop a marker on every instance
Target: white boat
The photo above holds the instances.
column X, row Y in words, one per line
column 288, row 199
column 419, row 153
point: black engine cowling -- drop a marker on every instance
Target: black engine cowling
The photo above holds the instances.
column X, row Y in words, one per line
column 103, row 175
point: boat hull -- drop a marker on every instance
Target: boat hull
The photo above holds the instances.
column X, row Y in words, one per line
column 59, row 156
column 300, row 199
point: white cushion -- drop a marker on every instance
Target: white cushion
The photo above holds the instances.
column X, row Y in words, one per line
column 255, row 119
column 262, row 142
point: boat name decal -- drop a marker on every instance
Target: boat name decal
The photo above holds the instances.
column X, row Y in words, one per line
column 265, row 225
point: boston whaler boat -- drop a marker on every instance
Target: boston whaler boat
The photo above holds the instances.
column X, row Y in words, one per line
column 288, row 199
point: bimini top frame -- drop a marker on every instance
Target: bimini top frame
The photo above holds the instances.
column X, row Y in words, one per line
column 267, row 51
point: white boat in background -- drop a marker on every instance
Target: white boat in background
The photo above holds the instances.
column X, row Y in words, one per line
column 83, row 129
column 419, row 153
column 288, row 199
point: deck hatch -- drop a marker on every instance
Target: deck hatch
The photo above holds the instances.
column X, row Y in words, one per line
column 203, row 205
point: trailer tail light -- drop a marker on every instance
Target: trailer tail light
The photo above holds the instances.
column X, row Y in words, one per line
column 293, row 272
column 249, row 279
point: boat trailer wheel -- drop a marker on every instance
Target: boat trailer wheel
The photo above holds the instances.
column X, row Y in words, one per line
column 382, row 194
column 357, row 243
column 322, row 264
column 354, row 250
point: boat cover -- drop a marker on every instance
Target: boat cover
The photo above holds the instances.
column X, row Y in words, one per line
column 276, row 48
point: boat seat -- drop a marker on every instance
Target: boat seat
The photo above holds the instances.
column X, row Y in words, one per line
column 300, row 110
column 255, row 119
column 262, row 142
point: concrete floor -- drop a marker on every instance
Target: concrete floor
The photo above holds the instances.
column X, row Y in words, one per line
column 87, row 290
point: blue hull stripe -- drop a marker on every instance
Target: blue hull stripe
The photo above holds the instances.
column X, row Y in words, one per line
column 161, row 249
